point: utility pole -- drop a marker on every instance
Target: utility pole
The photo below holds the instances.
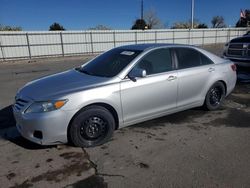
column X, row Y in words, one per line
column 192, row 14
column 141, row 9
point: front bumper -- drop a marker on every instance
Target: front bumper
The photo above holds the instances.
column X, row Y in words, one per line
column 52, row 126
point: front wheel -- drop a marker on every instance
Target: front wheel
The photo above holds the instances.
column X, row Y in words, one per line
column 91, row 127
column 215, row 96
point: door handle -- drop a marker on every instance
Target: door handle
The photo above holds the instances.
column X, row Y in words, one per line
column 211, row 69
column 170, row 78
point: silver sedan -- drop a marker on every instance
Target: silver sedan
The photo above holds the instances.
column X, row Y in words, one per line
column 123, row 86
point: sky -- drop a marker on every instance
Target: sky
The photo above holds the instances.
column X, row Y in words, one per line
column 117, row 14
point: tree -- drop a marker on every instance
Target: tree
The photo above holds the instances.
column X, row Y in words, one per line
column 202, row 26
column 181, row 25
column 218, row 22
column 56, row 27
column 139, row 24
column 10, row 28
column 245, row 20
column 152, row 20
column 100, row 27
column 187, row 25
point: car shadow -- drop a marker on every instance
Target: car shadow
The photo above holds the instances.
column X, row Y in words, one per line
column 9, row 132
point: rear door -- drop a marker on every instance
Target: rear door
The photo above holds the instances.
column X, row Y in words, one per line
column 194, row 72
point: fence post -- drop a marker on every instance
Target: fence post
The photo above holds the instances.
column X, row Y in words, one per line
column 203, row 37
column 114, row 39
column 216, row 36
column 135, row 37
column 2, row 50
column 91, row 42
column 173, row 35
column 229, row 35
column 155, row 36
column 62, row 43
column 28, row 45
column 189, row 36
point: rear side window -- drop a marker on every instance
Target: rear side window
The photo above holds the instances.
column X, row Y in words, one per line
column 187, row 58
column 205, row 60
column 157, row 61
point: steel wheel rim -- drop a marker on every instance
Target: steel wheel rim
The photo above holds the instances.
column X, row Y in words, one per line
column 93, row 128
column 215, row 96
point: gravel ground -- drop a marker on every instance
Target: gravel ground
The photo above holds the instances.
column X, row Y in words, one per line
column 194, row 148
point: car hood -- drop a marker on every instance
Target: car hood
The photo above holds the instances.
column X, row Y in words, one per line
column 241, row 39
column 60, row 84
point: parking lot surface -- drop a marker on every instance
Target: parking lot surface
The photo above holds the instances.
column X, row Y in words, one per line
column 194, row 148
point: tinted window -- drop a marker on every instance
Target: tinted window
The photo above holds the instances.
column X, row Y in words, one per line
column 110, row 63
column 156, row 61
column 187, row 58
column 205, row 60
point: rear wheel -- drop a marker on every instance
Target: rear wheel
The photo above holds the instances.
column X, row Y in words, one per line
column 91, row 127
column 215, row 96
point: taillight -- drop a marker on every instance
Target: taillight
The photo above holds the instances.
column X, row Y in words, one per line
column 233, row 66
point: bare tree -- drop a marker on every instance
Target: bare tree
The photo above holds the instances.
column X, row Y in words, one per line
column 10, row 28
column 187, row 25
column 218, row 22
column 152, row 20
column 100, row 27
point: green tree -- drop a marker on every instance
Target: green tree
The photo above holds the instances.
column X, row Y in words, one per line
column 244, row 21
column 139, row 24
column 56, row 27
column 202, row 26
column 218, row 22
column 10, row 28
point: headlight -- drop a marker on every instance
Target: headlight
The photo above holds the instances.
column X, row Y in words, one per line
column 46, row 106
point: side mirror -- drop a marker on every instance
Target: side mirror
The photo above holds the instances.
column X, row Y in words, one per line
column 136, row 73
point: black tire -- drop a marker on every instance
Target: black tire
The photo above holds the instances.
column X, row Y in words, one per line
column 93, row 126
column 215, row 96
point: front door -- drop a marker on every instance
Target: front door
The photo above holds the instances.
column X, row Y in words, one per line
column 154, row 94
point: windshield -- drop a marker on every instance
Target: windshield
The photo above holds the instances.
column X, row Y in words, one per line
column 110, row 63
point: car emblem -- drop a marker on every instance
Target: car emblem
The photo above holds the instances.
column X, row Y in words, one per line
column 245, row 45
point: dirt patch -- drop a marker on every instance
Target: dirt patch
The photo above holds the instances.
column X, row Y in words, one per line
column 143, row 165
column 72, row 155
column 91, row 182
column 235, row 118
column 11, row 175
column 58, row 175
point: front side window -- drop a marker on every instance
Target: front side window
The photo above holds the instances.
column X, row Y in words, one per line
column 157, row 61
column 110, row 63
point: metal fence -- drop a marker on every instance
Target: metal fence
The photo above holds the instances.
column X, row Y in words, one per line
column 16, row 45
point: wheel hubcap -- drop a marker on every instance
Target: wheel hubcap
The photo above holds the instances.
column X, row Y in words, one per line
column 93, row 128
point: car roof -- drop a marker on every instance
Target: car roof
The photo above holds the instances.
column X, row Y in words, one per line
column 148, row 46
